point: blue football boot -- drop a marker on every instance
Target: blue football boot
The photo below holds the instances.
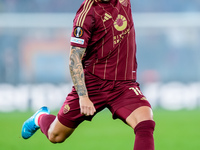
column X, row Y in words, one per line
column 30, row 126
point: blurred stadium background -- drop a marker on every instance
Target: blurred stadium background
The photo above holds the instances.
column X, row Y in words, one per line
column 34, row 51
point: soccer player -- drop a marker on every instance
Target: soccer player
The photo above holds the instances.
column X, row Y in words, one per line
column 103, row 68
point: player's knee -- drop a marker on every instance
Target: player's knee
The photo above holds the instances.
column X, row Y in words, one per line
column 139, row 115
column 56, row 138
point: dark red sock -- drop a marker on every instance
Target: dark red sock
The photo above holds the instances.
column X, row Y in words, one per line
column 45, row 122
column 40, row 118
column 144, row 135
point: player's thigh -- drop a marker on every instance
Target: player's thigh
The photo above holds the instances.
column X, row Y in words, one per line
column 59, row 131
column 138, row 115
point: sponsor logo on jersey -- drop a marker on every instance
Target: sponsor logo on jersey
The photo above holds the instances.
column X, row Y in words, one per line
column 77, row 40
column 118, row 38
column 78, row 32
column 66, row 109
column 107, row 17
column 120, row 23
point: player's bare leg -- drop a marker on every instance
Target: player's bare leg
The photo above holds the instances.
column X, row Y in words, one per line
column 53, row 129
column 141, row 120
column 140, row 114
column 57, row 132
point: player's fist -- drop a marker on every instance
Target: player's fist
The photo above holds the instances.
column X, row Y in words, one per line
column 86, row 106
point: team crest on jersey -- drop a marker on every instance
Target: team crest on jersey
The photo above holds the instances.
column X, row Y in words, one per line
column 66, row 109
column 123, row 2
column 120, row 23
column 78, row 32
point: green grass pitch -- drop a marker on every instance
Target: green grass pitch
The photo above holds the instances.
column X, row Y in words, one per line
column 175, row 130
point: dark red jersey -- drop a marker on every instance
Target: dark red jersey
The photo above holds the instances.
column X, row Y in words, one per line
column 107, row 32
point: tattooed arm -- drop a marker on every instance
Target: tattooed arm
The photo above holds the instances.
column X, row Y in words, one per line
column 76, row 70
column 78, row 78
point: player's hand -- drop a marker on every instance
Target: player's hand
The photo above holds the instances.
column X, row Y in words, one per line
column 86, row 106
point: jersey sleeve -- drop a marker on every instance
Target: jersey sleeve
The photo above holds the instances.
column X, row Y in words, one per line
column 82, row 26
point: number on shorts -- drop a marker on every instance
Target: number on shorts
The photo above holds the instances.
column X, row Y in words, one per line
column 136, row 90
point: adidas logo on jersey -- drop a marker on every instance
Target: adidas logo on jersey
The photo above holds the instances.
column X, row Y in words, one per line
column 106, row 17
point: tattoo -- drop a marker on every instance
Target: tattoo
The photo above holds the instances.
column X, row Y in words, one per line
column 76, row 70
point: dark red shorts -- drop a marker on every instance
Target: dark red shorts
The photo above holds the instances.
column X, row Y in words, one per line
column 120, row 97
